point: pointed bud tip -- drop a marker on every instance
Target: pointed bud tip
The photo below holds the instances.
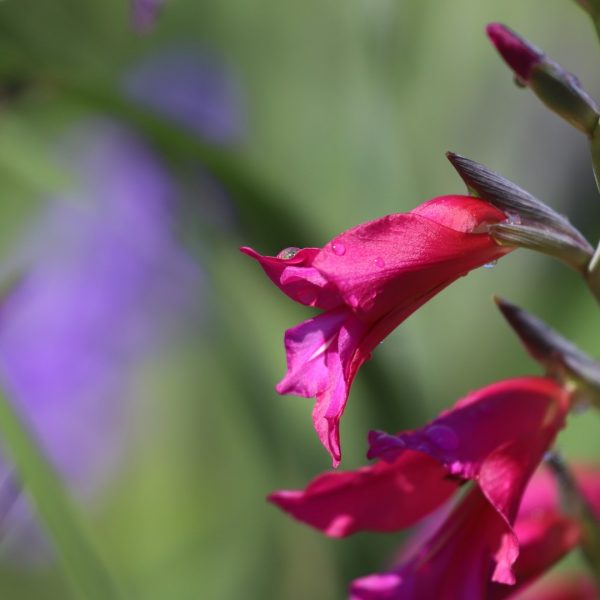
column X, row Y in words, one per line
column 508, row 309
column 519, row 55
column 453, row 157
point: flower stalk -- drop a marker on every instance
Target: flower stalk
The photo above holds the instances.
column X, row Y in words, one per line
column 561, row 359
column 577, row 506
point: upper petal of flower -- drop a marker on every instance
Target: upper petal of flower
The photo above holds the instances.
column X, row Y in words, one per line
column 394, row 261
column 296, row 277
column 463, row 437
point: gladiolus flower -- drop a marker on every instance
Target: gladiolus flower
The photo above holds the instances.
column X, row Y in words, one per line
column 368, row 280
column 478, row 440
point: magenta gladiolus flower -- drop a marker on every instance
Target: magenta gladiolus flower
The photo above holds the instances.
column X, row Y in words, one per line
column 367, row 281
column 478, row 440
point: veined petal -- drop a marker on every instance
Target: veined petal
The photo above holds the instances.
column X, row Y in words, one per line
column 464, row 436
column 394, row 261
column 312, row 353
column 382, row 497
column 454, row 563
column 321, row 359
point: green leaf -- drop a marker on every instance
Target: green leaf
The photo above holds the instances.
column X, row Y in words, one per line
column 87, row 574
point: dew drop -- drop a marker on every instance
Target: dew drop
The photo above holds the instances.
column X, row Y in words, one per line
column 338, row 249
column 379, row 262
column 443, row 437
column 288, row 253
column 490, row 265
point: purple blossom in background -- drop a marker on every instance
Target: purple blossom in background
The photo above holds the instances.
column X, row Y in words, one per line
column 105, row 281
column 193, row 89
column 144, row 14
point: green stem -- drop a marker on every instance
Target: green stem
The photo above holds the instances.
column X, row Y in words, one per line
column 592, row 274
column 87, row 574
column 595, row 152
column 576, row 506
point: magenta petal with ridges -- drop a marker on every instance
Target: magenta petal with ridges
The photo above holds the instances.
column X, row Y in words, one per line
column 464, row 436
column 382, row 497
column 394, row 261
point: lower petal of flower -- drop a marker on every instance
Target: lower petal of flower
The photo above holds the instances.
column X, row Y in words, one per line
column 322, row 361
column 382, row 497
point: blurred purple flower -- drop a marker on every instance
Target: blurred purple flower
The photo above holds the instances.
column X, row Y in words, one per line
column 105, row 281
column 144, row 14
column 193, row 89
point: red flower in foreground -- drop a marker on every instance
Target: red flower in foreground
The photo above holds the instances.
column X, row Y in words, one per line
column 368, row 280
column 494, row 437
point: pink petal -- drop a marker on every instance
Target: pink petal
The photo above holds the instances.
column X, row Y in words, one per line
column 391, row 263
column 544, row 538
column 323, row 355
column 454, row 563
column 297, row 278
column 464, row 436
column 382, row 497
column 312, row 351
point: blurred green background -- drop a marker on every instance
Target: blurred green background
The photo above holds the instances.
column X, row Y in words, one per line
column 348, row 108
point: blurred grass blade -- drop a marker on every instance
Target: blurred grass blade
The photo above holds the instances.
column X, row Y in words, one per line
column 87, row 575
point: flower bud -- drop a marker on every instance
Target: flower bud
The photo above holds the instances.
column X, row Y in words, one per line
column 558, row 89
column 562, row 359
column 530, row 223
column 518, row 54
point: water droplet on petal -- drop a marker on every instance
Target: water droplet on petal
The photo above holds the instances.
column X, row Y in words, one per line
column 490, row 265
column 443, row 437
column 379, row 262
column 338, row 249
column 288, row 253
